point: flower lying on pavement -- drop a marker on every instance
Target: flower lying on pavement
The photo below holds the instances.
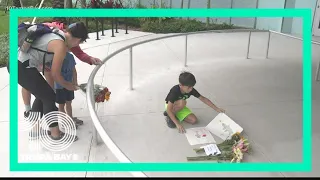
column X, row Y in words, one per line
column 232, row 150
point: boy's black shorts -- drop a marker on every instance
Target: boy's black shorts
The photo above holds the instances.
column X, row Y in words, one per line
column 63, row 95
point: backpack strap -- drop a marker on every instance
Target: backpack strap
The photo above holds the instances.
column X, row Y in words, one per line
column 64, row 39
column 46, row 52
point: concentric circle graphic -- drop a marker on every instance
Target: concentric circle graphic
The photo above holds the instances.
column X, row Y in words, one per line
column 65, row 139
column 39, row 131
column 29, row 122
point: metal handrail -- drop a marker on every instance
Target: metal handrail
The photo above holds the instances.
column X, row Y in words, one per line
column 91, row 103
column 294, row 37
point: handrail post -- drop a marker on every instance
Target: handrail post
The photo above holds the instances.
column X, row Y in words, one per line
column 186, row 52
column 317, row 72
column 102, row 28
column 112, row 27
column 87, row 19
column 131, row 78
column 117, row 25
column 94, row 130
column 268, row 46
column 249, row 41
column 97, row 28
column 126, row 21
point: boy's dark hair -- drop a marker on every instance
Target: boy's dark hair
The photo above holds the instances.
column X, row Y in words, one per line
column 187, row 79
column 78, row 30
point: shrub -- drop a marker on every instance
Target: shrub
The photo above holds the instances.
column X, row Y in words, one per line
column 4, row 50
column 180, row 26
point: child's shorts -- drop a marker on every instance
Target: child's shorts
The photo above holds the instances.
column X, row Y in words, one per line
column 182, row 114
column 63, row 95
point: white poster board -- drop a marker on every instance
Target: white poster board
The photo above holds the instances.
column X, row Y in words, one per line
column 223, row 126
column 200, row 135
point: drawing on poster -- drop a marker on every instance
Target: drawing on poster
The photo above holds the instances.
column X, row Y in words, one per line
column 223, row 126
column 199, row 136
column 226, row 129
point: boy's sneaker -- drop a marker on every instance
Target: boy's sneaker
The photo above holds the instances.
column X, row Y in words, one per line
column 170, row 123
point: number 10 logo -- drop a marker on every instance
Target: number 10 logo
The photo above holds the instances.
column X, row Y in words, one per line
column 38, row 128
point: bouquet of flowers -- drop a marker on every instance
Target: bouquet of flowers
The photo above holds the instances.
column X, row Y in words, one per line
column 101, row 93
column 232, row 150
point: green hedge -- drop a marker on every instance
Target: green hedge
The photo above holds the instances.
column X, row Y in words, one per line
column 180, row 26
column 4, row 49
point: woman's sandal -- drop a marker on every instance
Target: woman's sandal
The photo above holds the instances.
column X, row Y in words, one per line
column 62, row 135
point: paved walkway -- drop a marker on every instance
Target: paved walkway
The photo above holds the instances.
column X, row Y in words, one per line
column 258, row 93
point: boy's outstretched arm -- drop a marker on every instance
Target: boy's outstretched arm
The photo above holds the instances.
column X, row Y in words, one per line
column 210, row 104
column 173, row 117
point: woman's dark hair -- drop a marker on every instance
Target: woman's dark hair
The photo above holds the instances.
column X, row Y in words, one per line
column 187, row 79
column 78, row 30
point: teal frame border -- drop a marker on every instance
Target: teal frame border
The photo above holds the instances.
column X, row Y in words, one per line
column 305, row 165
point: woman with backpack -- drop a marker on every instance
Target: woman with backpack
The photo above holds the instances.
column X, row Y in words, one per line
column 48, row 52
column 77, row 51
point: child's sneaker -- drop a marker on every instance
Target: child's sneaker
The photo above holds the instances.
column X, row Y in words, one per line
column 170, row 123
column 26, row 114
column 77, row 121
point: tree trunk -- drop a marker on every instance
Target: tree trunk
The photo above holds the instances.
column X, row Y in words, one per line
column 68, row 4
column 83, row 3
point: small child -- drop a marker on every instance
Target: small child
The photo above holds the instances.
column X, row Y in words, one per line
column 176, row 110
column 64, row 97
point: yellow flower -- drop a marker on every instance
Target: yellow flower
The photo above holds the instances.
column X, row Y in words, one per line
column 107, row 95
